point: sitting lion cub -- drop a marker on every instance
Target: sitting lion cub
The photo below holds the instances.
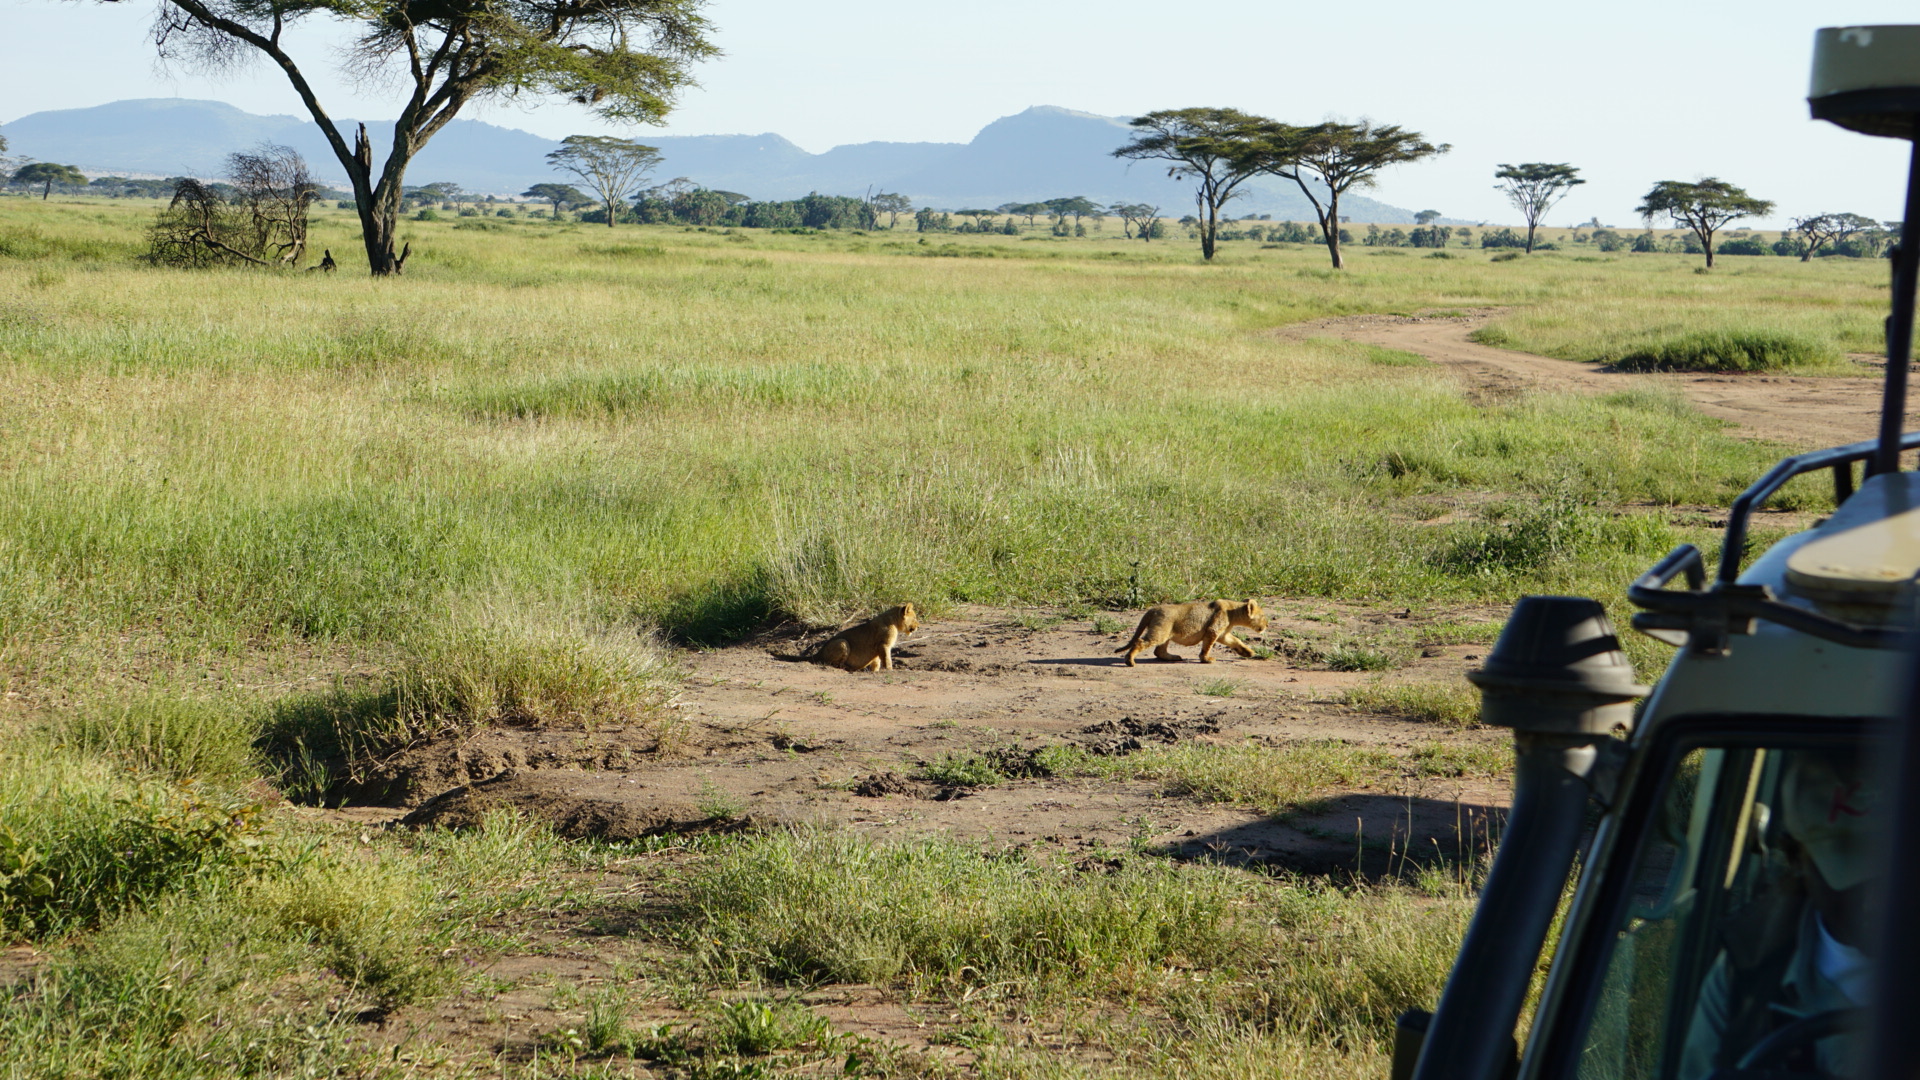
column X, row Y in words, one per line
column 1203, row 622
column 868, row 646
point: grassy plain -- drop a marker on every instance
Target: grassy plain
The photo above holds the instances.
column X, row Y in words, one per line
column 248, row 513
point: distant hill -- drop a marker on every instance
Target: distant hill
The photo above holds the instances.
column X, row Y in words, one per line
column 1041, row 153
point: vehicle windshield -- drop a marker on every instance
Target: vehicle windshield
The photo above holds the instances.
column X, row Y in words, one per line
column 1741, row 951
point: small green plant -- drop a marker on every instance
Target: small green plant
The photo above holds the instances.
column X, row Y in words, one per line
column 1038, row 622
column 1220, row 687
column 605, row 1028
column 663, row 1043
column 718, row 804
column 1350, row 656
column 762, row 1027
column 1107, row 625
column 962, row 770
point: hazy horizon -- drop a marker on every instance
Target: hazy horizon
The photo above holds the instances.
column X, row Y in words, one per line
column 1717, row 90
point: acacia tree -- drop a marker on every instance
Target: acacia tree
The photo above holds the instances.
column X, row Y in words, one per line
column 1822, row 229
column 47, row 174
column 892, row 204
column 1533, row 188
column 1207, row 145
column 1335, row 158
column 980, row 217
column 1702, row 207
column 562, row 196
column 625, row 58
column 1074, row 206
column 609, row 166
column 1137, row 216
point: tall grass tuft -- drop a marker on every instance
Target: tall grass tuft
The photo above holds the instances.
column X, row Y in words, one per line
column 364, row 920
column 177, row 737
column 1732, row 350
column 486, row 666
column 81, row 840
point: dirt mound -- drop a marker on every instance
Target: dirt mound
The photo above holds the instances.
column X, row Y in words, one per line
column 1126, row 735
column 882, row 784
column 411, row 776
column 577, row 804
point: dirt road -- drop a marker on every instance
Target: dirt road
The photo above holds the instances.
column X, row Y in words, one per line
column 1802, row 412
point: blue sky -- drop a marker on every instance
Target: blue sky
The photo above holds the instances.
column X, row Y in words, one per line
column 1631, row 92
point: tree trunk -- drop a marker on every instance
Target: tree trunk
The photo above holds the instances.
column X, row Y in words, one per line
column 45, row 191
column 379, row 226
column 1332, row 228
column 1706, row 241
column 1209, row 227
column 1530, row 228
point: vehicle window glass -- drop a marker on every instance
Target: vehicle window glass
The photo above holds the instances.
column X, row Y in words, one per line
column 1740, row 947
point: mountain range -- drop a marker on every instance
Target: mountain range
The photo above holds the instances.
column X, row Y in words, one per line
column 1041, row 153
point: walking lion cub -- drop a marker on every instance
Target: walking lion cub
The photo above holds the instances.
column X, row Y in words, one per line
column 1205, row 623
column 868, row 646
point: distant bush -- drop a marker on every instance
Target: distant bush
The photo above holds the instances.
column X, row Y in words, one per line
column 427, row 213
column 1502, row 238
column 1745, row 245
column 1729, row 350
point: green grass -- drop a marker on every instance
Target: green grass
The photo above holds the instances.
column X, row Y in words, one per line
column 284, row 524
column 1453, row 704
column 82, row 840
column 1725, row 350
column 647, row 424
column 1300, row 971
column 1276, row 780
column 962, row 770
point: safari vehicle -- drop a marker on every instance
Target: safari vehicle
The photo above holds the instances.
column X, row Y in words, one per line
column 1740, row 911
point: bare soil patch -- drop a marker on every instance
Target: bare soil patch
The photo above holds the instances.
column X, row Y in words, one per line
column 1804, row 412
column 759, row 739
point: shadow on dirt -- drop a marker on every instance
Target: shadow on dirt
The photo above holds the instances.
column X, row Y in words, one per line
column 1367, row 836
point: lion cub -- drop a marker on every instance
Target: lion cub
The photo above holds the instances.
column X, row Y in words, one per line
column 868, row 646
column 1203, row 622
